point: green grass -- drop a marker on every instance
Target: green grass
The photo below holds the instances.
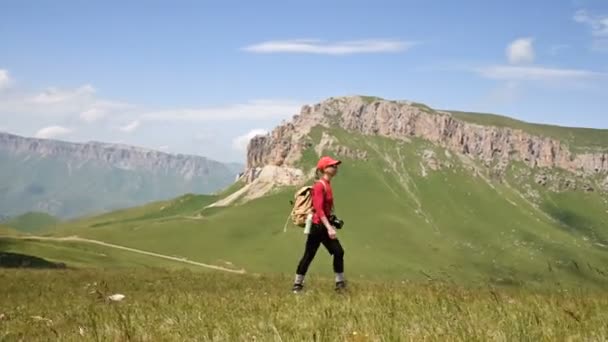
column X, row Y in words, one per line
column 371, row 99
column 579, row 139
column 423, row 107
column 238, row 185
column 188, row 207
column 186, row 306
column 33, row 222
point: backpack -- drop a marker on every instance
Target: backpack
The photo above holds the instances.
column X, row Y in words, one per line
column 302, row 205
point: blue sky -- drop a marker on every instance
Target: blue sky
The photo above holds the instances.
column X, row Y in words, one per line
column 200, row 76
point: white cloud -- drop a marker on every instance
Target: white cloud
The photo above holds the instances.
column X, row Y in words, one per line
column 60, row 104
column 163, row 148
column 316, row 46
column 521, row 51
column 599, row 28
column 100, row 109
column 92, row 114
column 253, row 110
column 535, row 73
column 597, row 23
column 5, row 79
column 128, row 128
column 55, row 95
column 82, row 103
column 240, row 143
column 52, row 132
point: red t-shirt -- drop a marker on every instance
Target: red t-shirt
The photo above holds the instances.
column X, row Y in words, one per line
column 322, row 200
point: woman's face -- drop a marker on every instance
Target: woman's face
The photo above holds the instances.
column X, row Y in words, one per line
column 331, row 170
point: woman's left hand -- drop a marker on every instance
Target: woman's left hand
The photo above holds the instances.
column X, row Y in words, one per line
column 332, row 233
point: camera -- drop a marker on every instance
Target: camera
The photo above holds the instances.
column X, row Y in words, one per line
column 336, row 222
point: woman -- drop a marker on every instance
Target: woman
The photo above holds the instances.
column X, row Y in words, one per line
column 322, row 232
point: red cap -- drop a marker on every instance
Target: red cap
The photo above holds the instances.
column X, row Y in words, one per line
column 325, row 162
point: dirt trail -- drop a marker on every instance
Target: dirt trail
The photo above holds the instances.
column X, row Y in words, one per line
column 101, row 243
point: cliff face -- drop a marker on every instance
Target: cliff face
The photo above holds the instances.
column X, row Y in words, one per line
column 402, row 120
column 110, row 155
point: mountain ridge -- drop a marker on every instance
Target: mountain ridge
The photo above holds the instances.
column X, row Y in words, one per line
column 495, row 146
column 105, row 153
column 73, row 179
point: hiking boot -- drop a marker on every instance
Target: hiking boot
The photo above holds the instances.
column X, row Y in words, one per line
column 297, row 288
column 340, row 286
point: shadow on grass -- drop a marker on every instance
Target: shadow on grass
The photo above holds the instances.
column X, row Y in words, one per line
column 575, row 223
column 18, row 260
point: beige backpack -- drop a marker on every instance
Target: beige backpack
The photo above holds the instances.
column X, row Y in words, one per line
column 302, row 205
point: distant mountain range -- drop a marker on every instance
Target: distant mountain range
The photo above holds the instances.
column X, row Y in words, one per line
column 72, row 179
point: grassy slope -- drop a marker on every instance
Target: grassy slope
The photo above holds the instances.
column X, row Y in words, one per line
column 6, row 230
column 33, row 222
column 84, row 255
column 399, row 224
column 579, row 139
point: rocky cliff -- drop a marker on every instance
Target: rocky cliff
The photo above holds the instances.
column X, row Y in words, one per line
column 403, row 120
column 113, row 155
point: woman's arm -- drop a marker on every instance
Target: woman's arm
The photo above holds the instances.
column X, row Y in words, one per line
column 318, row 201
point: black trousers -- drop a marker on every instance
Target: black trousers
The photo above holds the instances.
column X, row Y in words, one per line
column 318, row 235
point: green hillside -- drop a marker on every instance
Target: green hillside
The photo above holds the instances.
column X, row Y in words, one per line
column 6, row 230
column 401, row 222
column 33, row 222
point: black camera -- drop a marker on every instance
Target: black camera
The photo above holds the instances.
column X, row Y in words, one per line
column 336, row 222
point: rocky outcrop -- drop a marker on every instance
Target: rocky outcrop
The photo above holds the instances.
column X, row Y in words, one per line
column 403, row 120
column 286, row 142
column 331, row 144
column 260, row 181
column 430, row 160
column 276, row 174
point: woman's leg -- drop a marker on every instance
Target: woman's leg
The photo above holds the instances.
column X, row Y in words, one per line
column 312, row 245
column 335, row 248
